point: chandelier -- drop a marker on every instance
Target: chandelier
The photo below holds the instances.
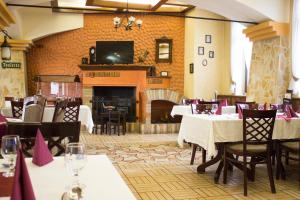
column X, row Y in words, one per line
column 127, row 22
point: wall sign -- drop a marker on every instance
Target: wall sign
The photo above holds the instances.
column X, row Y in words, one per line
column 102, row 74
column 11, row 65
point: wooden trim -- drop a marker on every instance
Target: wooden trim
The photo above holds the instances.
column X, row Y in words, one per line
column 113, row 67
column 158, row 5
column 110, row 4
column 19, row 45
column 6, row 17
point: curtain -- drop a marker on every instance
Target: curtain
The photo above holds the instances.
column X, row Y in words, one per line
column 295, row 82
column 240, row 58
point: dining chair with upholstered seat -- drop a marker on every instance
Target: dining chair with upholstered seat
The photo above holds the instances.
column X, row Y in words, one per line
column 72, row 111
column 59, row 111
column 288, row 147
column 257, row 144
column 34, row 108
column 17, row 109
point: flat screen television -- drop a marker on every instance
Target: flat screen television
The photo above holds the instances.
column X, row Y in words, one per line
column 114, row 52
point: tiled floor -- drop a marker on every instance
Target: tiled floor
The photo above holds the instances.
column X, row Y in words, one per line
column 154, row 167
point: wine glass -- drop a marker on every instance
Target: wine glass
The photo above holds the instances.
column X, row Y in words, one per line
column 75, row 160
column 9, row 148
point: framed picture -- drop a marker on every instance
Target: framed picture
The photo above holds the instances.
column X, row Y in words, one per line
column 204, row 62
column 211, row 54
column 200, row 50
column 191, row 68
column 207, row 38
column 164, row 73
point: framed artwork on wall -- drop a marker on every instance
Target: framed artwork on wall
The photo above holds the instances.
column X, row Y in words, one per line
column 200, row 50
column 211, row 54
column 207, row 38
column 204, row 62
column 191, row 68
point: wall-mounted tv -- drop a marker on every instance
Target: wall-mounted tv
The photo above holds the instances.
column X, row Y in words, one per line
column 114, row 52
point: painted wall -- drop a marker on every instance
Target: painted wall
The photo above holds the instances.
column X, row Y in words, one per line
column 270, row 70
column 61, row 53
column 216, row 75
column 13, row 81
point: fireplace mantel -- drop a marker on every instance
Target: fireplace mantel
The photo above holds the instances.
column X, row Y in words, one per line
column 96, row 67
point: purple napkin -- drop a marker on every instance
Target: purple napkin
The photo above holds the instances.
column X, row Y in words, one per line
column 2, row 118
column 293, row 113
column 22, row 187
column 240, row 112
column 287, row 113
column 222, row 103
column 41, row 154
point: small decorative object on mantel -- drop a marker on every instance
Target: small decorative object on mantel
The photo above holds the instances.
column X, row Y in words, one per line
column 191, row 68
column 164, row 73
column 204, row 62
column 211, row 54
column 143, row 56
column 84, row 60
column 92, row 55
column 207, row 38
column 200, row 50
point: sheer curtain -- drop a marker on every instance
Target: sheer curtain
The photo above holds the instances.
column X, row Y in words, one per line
column 295, row 82
column 240, row 58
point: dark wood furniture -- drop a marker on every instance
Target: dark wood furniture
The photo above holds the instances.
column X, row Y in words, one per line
column 245, row 105
column 72, row 111
column 34, row 108
column 59, row 111
column 56, row 133
column 286, row 147
column 115, row 121
column 257, row 144
column 231, row 99
column 9, row 98
column 17, row 109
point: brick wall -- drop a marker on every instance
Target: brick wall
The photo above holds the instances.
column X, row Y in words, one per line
column 61, row 53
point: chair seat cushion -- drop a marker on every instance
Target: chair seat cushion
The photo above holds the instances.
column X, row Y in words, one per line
column 294, row 146
column 251, row 148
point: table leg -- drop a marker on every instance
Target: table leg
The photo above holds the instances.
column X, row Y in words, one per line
column 201, row 168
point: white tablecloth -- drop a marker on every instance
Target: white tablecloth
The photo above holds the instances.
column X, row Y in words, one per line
column 206, row 130
column 101, row 179
column 181, row 110
column 85, row 115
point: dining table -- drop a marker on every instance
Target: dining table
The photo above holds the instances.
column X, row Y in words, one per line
column 99, row 177
column 85, row 115
column 211, row 132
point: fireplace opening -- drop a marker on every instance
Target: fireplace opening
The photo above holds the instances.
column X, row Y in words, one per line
column 161, row 112
column 122, row 98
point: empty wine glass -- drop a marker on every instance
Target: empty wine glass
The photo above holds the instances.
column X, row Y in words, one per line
column 9, row 148
column 75, row 160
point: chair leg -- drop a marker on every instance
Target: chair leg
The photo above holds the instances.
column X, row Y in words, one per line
column 193, row 153
column 225, row 161
column 279, row 161
column 203, row 155
column 252, row 166
column 245, row 175
column 270, row 173
column 287, row 157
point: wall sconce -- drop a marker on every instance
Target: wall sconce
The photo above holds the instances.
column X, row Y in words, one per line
column 5, row 47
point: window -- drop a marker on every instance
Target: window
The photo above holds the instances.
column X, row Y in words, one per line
column 241, row 51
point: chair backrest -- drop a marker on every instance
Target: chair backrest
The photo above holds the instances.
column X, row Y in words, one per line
column 246, row 105
column 190, row 101
column 114, row 116
column 56, row 133
column 72, row 111
column 17, row 109
column 34, row 108
column 8, row 98
column 59, row 111
column 258, row 126
column 204, row 107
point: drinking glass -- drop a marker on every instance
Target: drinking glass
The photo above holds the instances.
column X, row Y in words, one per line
column 75, row 160
column 9, row 148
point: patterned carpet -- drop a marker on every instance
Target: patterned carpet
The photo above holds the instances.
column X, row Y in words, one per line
column 155, row 168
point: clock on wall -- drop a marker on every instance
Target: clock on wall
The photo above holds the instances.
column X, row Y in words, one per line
column 93, row 55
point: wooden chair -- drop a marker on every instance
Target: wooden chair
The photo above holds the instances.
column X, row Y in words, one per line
column 99, row 116
column 114, row 122
column 9, row 98
column 56, row 133
column 203, row 107
column 257, row 144
column 59, row 111
column 288, row 147
column 17, row 109
column 72, row 112
column 34, row 108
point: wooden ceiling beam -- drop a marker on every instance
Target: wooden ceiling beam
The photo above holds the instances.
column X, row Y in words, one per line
column 6, row 17
column 158, row 5
column 118, row 5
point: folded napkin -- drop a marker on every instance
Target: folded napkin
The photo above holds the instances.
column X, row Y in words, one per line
column 240, row 112
column 41, row 154
column 293, row 113
column 222, row 104
column 2, row 118
column 22, row 187
column 287, row 113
